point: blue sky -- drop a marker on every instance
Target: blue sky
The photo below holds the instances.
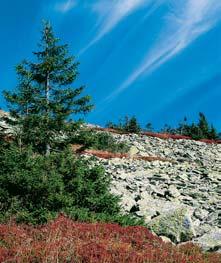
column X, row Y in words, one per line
column 159, row 60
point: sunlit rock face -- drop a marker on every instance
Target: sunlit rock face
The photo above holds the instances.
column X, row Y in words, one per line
column 4, row 127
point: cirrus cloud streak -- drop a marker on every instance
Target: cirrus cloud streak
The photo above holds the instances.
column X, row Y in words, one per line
column 185, row 23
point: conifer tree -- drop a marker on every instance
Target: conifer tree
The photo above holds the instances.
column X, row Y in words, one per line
column 149, row 127
column 183, row 127
column 203, row 126
column 44, row 101
column 132, row 125
column 213, row 133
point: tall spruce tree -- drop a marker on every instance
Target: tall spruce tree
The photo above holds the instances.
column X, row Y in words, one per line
column 44, row 101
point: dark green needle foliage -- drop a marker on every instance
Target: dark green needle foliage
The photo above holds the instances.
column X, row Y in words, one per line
column 44, row 100
column 128, row 125
column 40, row 177
column 104, row 141
column 200, row 130
column 35, row 188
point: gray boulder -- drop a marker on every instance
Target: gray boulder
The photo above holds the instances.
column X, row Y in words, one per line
column 210, row 241
column 176, row 225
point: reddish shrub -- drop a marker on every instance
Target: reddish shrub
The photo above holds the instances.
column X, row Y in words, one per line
column 162, row 135
column 105, row 154
column 63, row 240
column 165, row 135
column 209, row 141
column 110, row 155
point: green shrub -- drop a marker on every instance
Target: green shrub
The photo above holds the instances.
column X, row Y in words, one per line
column 35, row 188
column 132, row 125
column 128, row 125
column 197, row 131
column 99, row 141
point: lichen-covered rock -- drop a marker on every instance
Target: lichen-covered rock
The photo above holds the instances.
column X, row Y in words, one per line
column 210, row 241
column 176, row 225
column 133, row 151
column 166, row 240
column 173, row 192
column 127, row 203
column 4, row 127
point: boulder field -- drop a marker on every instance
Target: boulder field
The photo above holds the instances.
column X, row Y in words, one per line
column 180, row 197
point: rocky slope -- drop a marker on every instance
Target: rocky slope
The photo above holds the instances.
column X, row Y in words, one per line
column 178, row 193
column 180, row 199
column 3, row 126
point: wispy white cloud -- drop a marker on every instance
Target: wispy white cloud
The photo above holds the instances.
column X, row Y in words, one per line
column 111, row 13
column 65, row 6
column 187, row 21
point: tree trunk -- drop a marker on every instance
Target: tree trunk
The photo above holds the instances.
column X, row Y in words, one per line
column 48, row 147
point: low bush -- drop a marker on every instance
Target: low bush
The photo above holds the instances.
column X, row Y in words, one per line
column 127, row 125
column 197, row 131
column 35, row 188
column 64, row 240
column 99, row 141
